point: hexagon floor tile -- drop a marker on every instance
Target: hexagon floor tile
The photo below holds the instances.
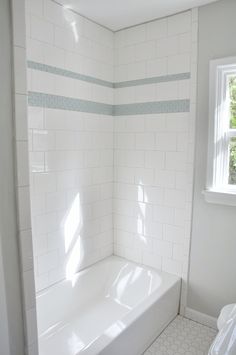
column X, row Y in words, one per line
column 183, row 337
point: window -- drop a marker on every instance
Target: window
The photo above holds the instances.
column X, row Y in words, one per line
column 221, row 174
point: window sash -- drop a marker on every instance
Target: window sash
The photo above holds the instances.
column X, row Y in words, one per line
column 219, row 125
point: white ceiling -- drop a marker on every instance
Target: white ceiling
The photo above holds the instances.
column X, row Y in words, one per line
column 118, row 14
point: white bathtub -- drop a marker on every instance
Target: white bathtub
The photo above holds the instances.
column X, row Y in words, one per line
column 114, row 307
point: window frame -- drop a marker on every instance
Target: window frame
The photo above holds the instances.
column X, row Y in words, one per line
column 217, row 188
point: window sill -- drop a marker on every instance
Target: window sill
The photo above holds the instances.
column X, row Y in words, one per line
column 220, row 197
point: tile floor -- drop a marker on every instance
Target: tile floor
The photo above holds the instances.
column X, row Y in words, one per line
column 183, row 337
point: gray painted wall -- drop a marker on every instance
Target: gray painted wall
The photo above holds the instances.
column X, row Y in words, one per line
column 212, row 282
column 9, row 263
column 4, row 335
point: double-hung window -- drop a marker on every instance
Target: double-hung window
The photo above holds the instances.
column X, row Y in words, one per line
column 221, row 171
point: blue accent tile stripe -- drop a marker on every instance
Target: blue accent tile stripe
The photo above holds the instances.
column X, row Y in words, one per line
column 152, row 107
column 67, row 103
column 90, row 79
column 71, row 104
column 153, row 80
column 67, row 73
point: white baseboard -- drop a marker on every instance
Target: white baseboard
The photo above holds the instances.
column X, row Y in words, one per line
column 201, row 318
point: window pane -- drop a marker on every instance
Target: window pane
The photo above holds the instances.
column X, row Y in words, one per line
column 232, row 93
column 232, row 161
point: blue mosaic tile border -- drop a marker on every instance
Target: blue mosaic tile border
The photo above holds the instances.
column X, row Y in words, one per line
column 152, row 107
column 123, row 84
column 69, row 74
column 67, row 103
column 153, row 80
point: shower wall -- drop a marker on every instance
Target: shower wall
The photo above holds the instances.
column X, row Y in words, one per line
column 155, row 75
column 111, row 158
column 70, row 75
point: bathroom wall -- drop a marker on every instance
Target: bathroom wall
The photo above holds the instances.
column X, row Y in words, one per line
column 71, row 114
column 11, row 286
column 155, row 76
column 70, row 75
column 212, row 262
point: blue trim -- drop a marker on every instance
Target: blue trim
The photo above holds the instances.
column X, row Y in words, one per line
column 153, row 80
column 72, row 104
column 152, row 107
column 69, row 74
column 67, row 103
column 90, row 79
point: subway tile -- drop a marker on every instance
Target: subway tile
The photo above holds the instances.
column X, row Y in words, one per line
column 172, row 266
column 34, row 7
column 124, row 140
column 47, row 262
column 144, row 176
column 174, row 198
column 125, row 55
column 153, row 195
column 38, row 204
column 35, row 50
column 166, row 142
column 167, row 91
column 35, row 117
column 41, row 29
column 151, row 259
column 165, row 178
column 148, row 184
column 154, row 159
column 64, row 38
column 145, row 141
column 179, row 63
column 163, row 214
column 53, row 56
column 157, row 29
column 179, row 23
column 123, row 174
column 157, row 67
column 53, row 13
column 144, row 50
column 153, row 229
column 128, row 192
column 43, row 182
column 173, row 233
column 167, row 46
column 36, row 160
column 136, row 70
column 164, row 248
column 135, row 34
column 176, row 161
column 43, row 140
column 145, row 93
column 64, row 140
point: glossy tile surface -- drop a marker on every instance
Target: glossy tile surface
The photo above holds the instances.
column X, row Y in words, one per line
column 183, row 337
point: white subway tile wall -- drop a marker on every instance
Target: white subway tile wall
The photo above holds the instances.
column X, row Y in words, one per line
column 99, row 179
column 153, row 153
column 71, row 153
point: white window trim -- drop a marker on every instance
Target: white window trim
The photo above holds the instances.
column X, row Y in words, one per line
column 217, row 190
